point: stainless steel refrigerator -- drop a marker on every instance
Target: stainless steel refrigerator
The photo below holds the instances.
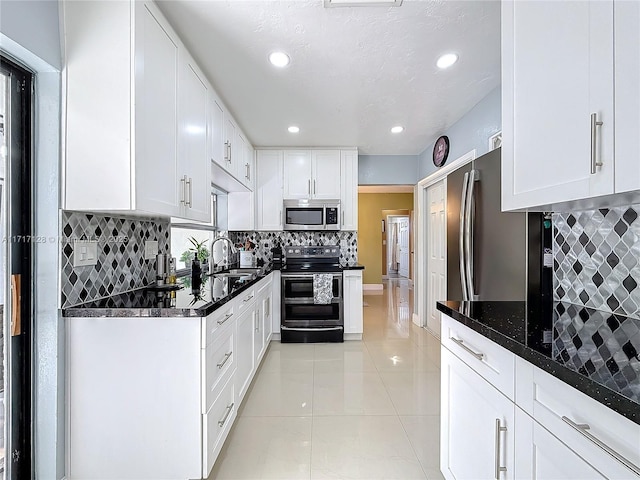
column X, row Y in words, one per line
column 491, row 255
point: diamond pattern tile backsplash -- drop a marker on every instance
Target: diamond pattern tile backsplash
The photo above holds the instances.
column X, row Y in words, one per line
column 265, row 241
column 603, row 346
column 596, row 259
column 121, row 265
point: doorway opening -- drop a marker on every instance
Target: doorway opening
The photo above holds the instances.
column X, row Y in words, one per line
column 16, row 278
column 395, row 245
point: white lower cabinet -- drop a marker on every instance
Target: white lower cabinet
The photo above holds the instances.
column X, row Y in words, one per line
column 245, row 353
column 162, row 393
column 217, row 422
column 352, row 292
column 477, row 427
column 541, row 456
column 553, row 431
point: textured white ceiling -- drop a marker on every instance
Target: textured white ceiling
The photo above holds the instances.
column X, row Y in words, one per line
column 355, row 71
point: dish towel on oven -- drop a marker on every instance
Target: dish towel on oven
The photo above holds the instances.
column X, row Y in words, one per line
column 322, row 288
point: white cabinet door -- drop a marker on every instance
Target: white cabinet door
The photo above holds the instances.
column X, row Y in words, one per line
column 244, row 357
column 230, row 139
column 472, row 414
column 627, row 95
column 239, row 151
column 156, row 86
column 248, row 166
column 193, row 152
column 258, row 337
column 297, row 174
column 349, row 189
column 216, row 130
column 267, row 316
column 541, row 456
column 552, row 86
column 325, row 174
column 241, row 211
column 269, row 166
column 352, row 289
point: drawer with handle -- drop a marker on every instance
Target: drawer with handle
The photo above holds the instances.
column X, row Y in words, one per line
column 213, row 324
column 216, row 425
column 218, row 361
column 493, row 362
column 245, row 299
column 604, row 438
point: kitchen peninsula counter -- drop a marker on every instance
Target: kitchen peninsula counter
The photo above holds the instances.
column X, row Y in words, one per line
column 593, row 351
column 212, row 293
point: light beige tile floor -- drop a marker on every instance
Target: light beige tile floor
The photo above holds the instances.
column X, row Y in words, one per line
column 358, row 410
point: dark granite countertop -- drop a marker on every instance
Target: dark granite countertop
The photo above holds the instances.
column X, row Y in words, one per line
column 355, row 266
column 212, row 293
column 593, row 351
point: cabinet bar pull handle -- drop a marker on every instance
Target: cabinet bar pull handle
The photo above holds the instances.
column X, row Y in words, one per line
column 227, row 356
column 189, row 183
column 499, row 430
column 226, row 317
column 257, row 329
column 248, row 298
column 184, row 189
column 582, row 429
column 594, row 143
column 226, row 415
column 479, row 356
column 314, row 187
column 309, row 186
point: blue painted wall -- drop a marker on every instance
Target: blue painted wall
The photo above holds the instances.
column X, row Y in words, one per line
column 35, row 25
column 387, row 169
column 471, row 131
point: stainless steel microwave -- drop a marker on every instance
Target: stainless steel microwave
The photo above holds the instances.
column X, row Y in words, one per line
column 311, row 214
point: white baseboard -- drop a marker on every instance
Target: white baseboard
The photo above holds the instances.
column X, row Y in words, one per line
column 416, row 319
column 352, row 336
column 372, row 286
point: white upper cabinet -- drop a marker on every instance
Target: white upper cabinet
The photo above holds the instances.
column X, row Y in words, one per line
column 230, row 143
column 349, row 189
column 269, row 175
column 627, row 95
column 216, row 131
column 120, row 128
column 249, row 166
column 557, row 102
column 297, row 174
column 312, row 174
column 193, row 151
column 325, row 174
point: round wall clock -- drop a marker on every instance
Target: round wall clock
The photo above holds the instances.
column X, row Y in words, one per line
column 441, row 151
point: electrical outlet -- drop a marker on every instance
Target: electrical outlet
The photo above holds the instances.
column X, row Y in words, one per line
column 150, row 249
column 85, row 253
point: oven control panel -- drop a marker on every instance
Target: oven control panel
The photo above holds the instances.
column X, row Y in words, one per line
column 316, row 251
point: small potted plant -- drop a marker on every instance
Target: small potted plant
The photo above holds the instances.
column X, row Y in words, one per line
column 200, row 255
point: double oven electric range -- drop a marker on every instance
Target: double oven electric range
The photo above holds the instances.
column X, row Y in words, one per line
column 302, row 320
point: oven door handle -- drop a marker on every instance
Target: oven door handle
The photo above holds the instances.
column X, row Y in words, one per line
column 311, row 329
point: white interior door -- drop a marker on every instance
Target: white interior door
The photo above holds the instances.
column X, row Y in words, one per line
column 403, row 247
column 437, row 254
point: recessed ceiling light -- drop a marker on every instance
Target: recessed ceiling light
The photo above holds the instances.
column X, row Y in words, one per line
column 397, row 129
column 446, row 60
column 279, row 59
column 293, row 129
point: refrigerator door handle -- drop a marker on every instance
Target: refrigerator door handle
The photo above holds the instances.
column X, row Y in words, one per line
column 461, row 239
column 468, row 233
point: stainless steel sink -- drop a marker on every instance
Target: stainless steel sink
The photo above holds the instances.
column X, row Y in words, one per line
column 244, row 271
column 242, row 276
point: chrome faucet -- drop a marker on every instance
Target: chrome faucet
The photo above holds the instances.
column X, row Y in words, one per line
column 234, row 251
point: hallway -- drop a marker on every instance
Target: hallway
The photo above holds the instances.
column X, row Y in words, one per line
column 358, row 410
